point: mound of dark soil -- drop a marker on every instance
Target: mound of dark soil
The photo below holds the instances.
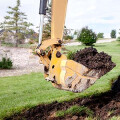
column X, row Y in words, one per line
column 116, row 85
column 104, row 107
column 89, row 57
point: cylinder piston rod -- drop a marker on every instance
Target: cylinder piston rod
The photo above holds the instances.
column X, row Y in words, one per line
column 42, row 12
column 41, row 28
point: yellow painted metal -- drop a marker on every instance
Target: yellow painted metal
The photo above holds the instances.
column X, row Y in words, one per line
column 71, row 67
column 47, row 43
column 62, row 72
column 77, row 68
column 71, row 72
column 45, row 60
column 55, row 69
column 58, row 18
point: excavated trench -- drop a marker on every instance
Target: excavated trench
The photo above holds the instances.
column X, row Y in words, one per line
column 104, row 106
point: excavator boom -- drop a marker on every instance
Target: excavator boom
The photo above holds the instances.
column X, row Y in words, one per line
column 59, row 8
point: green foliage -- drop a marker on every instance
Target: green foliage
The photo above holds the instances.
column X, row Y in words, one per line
column 115, row 118
column 87, row 36
column 66, row 34
column 70, row 55
column 7, row 44
column 75, row 110
column 68, row 37
column 16, row 22
column 76, row 32
column 31, row 42
column 100, row 35
column 6, row 63
column 113, row 34
column 118, row 39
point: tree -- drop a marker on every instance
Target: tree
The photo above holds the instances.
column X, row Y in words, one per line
column 100, row 35
column 75, row 35
column 87, row 36
column 119, row 36
column 66, row 34
column 76, row 32
column 113, row 34
column 16, row 22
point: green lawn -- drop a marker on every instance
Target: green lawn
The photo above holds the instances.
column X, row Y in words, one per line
column 23, row 92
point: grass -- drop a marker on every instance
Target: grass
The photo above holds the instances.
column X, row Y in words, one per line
column 75, row 110
column 26, row 91
column 27, row 45
column 115, row 118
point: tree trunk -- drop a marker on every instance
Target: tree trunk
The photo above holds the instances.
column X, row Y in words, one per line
column 16, row 35
column 16, row 40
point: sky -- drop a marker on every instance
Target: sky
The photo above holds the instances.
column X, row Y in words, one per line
column 98, row 15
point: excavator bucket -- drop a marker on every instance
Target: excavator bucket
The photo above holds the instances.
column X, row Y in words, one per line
column 73, row 76
column 70, row 75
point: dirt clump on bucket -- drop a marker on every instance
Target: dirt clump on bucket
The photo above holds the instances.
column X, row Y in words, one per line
column 89, row 57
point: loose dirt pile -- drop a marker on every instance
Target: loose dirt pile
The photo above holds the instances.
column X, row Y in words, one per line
column 89, row 57
column 104, row 107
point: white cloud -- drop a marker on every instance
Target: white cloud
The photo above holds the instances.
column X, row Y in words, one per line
column 93, row 13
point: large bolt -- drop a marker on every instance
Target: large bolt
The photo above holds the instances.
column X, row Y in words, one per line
column 54, row 80
column 42, row 52
column 46, row 69
column 60, row 41
column 58, row 54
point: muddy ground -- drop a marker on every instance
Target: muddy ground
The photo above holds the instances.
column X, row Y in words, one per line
column 104, row 107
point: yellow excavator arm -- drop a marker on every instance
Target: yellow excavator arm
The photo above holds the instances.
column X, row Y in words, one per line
column 63, row 73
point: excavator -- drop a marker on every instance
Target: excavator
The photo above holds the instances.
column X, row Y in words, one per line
column 64, row 74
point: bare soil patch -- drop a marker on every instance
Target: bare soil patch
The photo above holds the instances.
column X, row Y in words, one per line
column 104, row 107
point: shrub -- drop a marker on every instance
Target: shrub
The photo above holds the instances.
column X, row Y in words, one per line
column 31, row 42
column 87, row 36
column 100, row 35
column 113, row 34
column 68, row 37
column 118, row 39
column 70, row 55
column 6, row 63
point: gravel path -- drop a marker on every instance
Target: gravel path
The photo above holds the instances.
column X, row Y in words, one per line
column 24, row 62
